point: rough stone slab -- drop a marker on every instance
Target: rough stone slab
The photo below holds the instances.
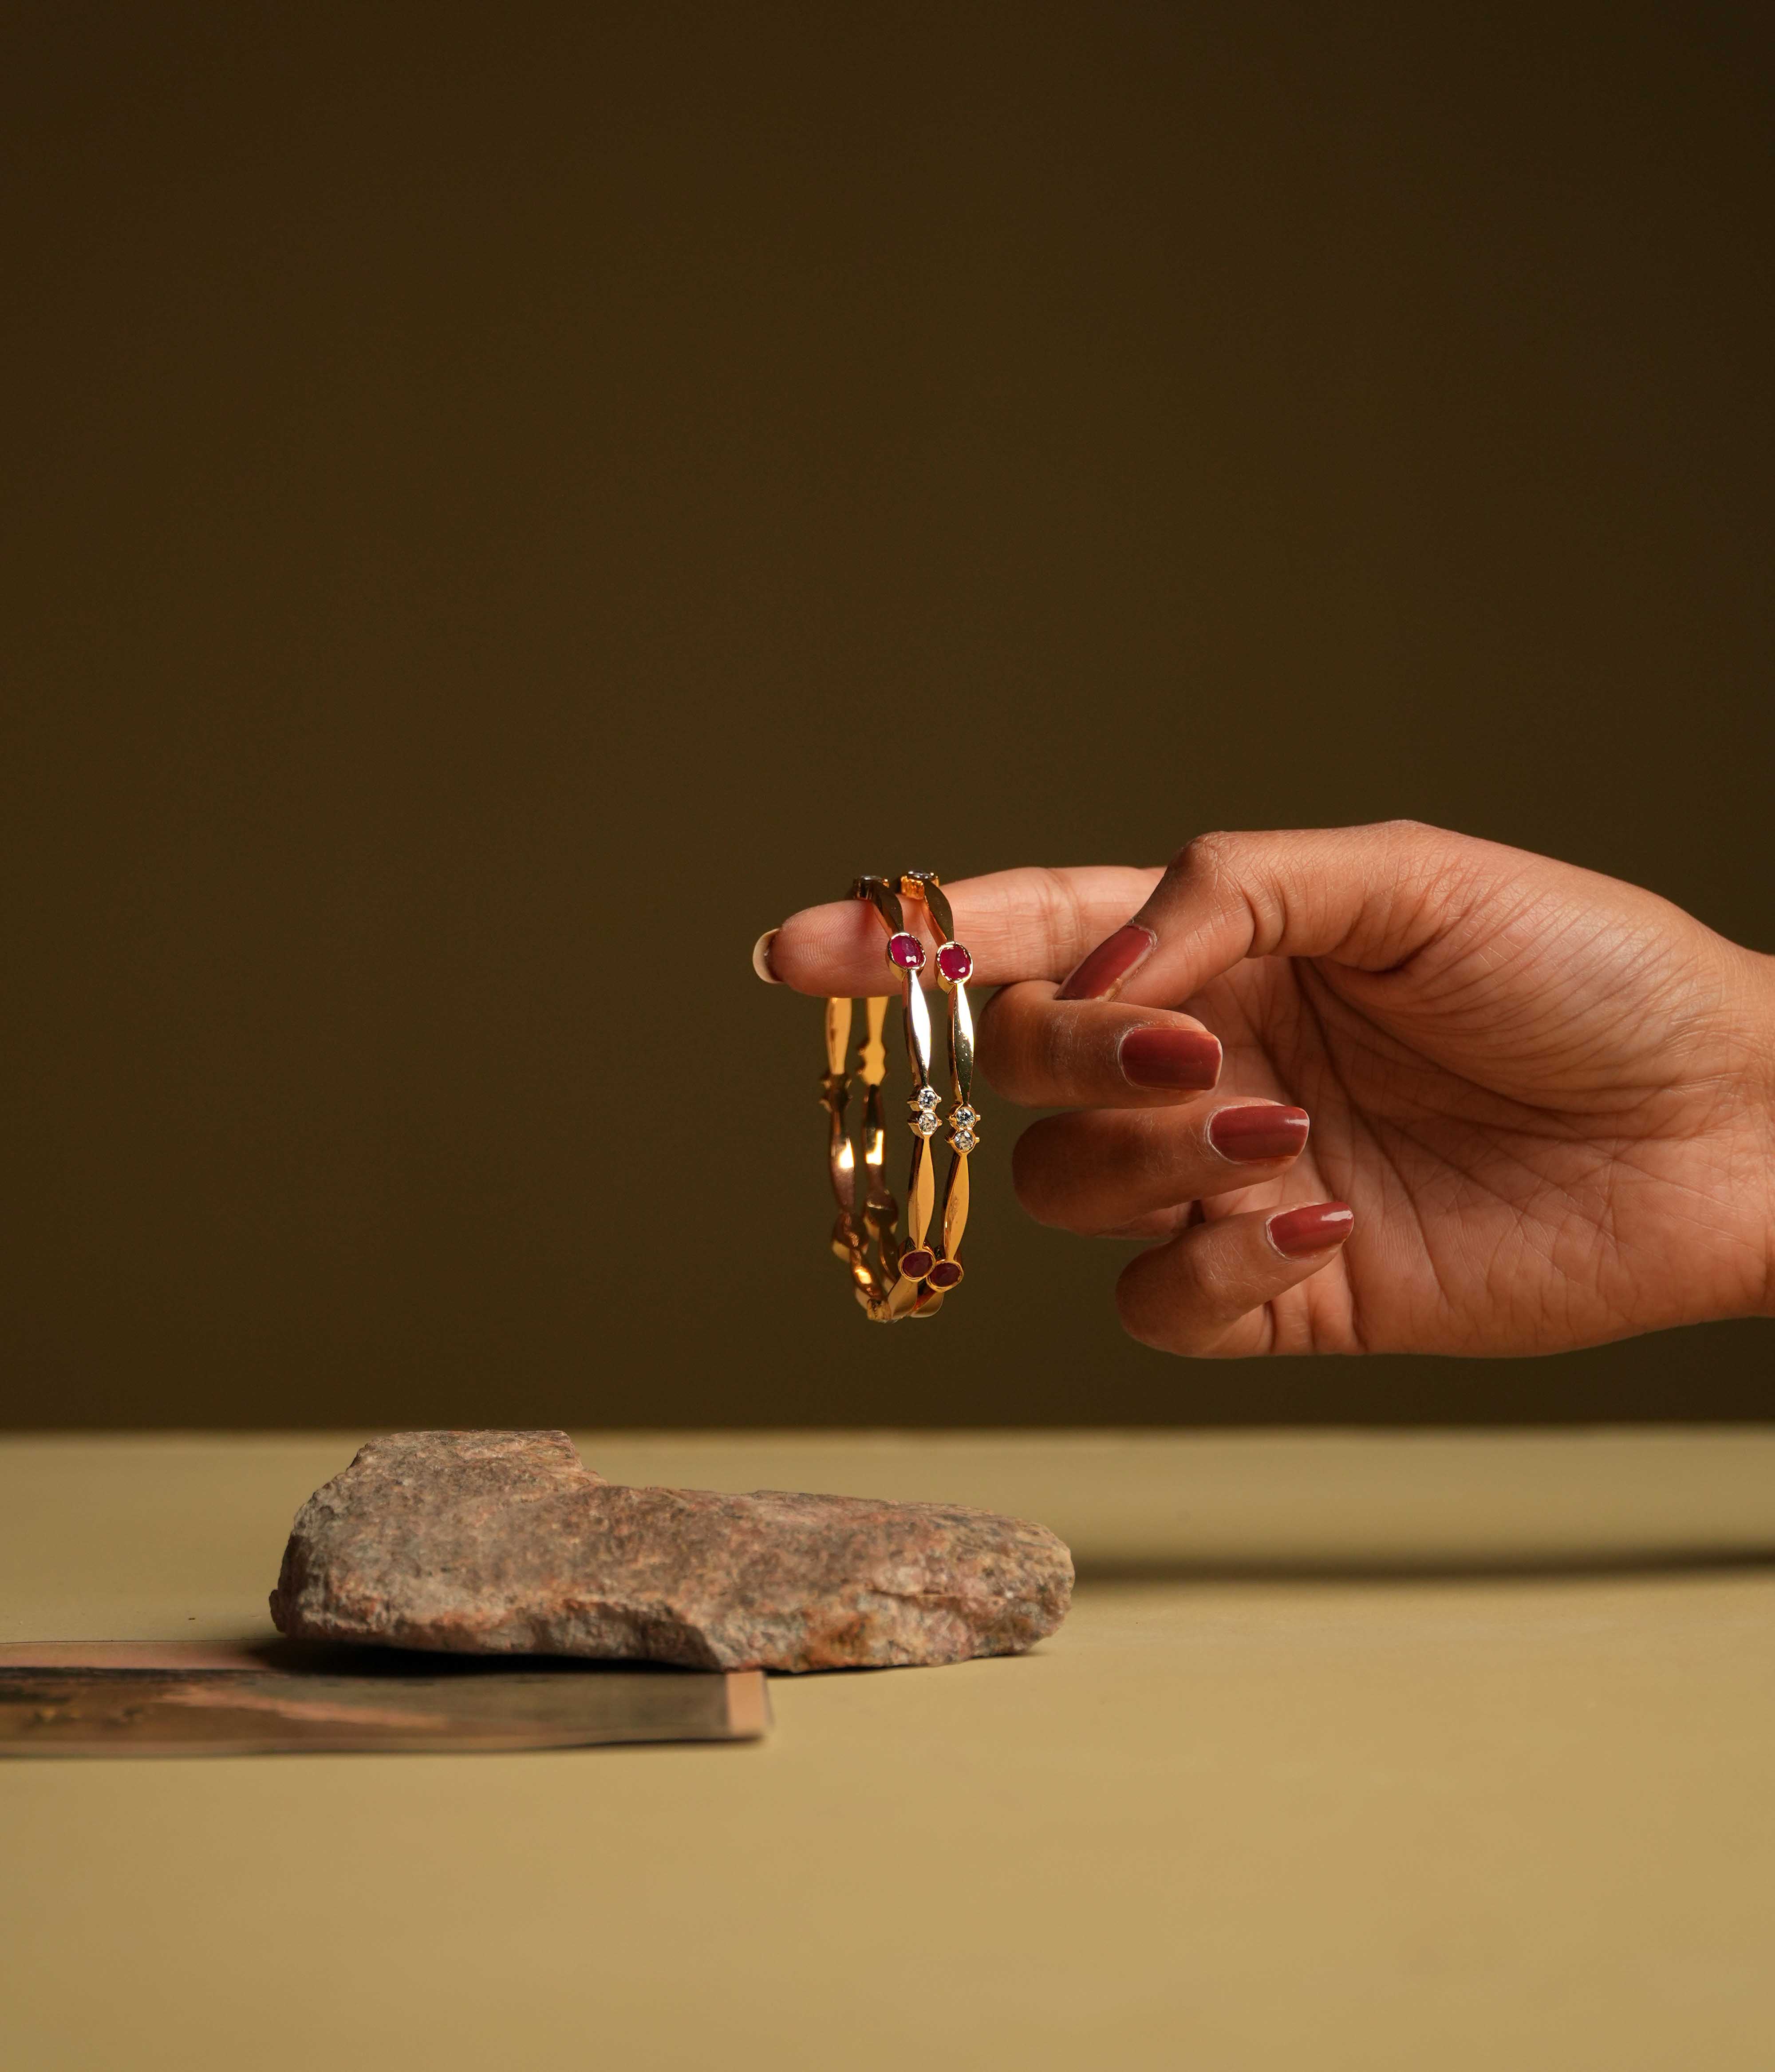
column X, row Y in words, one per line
column 500, row 1543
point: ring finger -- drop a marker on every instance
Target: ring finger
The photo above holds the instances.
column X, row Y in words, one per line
column 1099, row 1171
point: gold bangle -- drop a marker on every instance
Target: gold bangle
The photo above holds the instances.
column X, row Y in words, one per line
column 892, row 1280
column 954, row 967
column 868, row 1276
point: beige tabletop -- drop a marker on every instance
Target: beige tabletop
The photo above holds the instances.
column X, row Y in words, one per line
column 1356, row 1751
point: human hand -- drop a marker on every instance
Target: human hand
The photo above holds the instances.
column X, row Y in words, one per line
column 1463, row 1098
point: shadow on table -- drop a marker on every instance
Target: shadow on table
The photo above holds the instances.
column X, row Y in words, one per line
column 1403, row 1567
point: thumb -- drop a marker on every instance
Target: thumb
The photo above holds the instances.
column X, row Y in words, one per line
column 1369, row 897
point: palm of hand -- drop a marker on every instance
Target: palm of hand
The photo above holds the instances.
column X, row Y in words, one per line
column 1561, row 1168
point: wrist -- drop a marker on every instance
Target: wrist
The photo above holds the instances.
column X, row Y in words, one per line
column 1760, row 1107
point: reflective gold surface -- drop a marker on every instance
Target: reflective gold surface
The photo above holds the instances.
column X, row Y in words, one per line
column 917, row 1031
column 874, row 1059
column 921, row 1191
column 925, row 886
column 838, row 1034
column 955, row 1205
column 874, row 1253
column 961, row 1040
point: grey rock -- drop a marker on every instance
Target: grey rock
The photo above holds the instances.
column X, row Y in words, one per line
column 502, row 1542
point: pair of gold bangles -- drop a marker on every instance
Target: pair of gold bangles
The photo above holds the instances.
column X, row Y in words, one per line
column 892, row 1280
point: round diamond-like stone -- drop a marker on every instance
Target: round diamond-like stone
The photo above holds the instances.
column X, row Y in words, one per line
column 926, row 1123
column 964, row 1117
column 916, row 1264
column 962, row 1141
column 906, row 952
column 925, row 1097
column 955, row 964
column 945, row 1273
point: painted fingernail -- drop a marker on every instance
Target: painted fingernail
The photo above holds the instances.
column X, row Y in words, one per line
column 1171, row 1059
column 1250, row 1135
column 1109, row 963
column 761, row 957
column 1299, row 1233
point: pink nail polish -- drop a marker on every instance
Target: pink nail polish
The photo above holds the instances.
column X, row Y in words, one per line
column 1251, row 1135
column 1185, row 1060
column 1098, row 977
column 1299, row 1233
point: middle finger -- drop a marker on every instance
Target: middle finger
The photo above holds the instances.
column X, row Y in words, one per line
column 1042, row 1052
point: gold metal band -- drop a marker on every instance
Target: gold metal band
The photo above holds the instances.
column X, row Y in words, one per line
column 954, row 967
column 892, row 1280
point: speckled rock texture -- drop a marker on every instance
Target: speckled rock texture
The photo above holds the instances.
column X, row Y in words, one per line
column 501, row 1543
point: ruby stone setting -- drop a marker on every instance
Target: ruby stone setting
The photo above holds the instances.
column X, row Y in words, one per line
column 906, row 951
column 955, row 964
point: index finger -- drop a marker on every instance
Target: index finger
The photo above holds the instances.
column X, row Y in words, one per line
column 1015, row 924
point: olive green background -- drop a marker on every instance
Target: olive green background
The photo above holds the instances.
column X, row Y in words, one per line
column 502, row 503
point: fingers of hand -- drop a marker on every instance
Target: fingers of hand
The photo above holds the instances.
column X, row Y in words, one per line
column 1122, row 1172
column 1016, row 923
column 1040, row 1053
column 835, row 948
column 1207, row 1292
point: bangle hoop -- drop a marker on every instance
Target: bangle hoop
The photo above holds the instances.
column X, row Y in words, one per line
column 954, row 967
column 891, row 1279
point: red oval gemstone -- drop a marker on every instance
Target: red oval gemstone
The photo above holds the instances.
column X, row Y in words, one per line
column 945, row 1273
column 954, row 962
column 917, row 1264
column 907, row 952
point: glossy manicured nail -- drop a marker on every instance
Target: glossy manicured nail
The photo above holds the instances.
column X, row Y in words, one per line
column 1251, row 1136
column 761, row 957
column 1299, row 1233
column 1109, row 963
column 1180, row 1060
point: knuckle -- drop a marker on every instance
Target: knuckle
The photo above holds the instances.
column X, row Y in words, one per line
column 1002, row 1035
column 1135, row 1312
column 1224, row 870
column 1424, row 852
column 1184, row 1298
column 1402, row 827
column 1058, row 904
column 1153, row 1301
column 1032, row 1174
column 1032, row 1056
column 1046, row 1178
column 1207, row 856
